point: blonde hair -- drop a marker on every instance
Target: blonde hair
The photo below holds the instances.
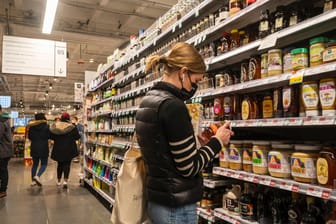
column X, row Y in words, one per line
column 181, row 55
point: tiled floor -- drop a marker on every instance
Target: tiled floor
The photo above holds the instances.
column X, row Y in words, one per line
column 49, row 204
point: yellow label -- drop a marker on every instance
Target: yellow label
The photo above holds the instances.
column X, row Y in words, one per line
column 21, row 130
column 267, row 109
column 296, row 78
column 245, row 110
column 322, row 171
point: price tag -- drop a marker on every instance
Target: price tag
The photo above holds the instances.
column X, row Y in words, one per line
column 325, row 194
column 272, row 183
column 324, row 120
column 314, row 191
column 295, row 122
column 180, row 25
column 297, row 77
column 256, row 180
column 308, row 121
column 204, row 37
column 154, row 43
column 197, row 12
column 295, row 188
column 241, row 176
column 265, row 181
column 174, row 27
column 286, row 186
column 268, row 42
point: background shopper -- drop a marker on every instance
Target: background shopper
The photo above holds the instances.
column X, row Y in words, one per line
column 64, row 134
column 39, row 135
column 166, row 137
column 6, row 151
column 80, row 143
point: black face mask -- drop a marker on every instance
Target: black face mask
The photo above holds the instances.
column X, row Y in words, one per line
column 188, row 94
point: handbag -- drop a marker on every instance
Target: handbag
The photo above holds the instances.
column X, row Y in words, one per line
column 130, row 202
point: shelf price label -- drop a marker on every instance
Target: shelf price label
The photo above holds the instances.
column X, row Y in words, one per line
column 295, row 188
column 268, row 42
column 314, row 191
column 297, row 77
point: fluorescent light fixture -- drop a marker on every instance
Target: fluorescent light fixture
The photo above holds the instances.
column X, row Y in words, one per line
column 49, row 16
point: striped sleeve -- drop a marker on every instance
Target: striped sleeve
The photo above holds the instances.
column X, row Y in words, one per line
column 188, row 159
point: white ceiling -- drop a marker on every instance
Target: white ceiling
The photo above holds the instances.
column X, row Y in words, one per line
column 91, row 28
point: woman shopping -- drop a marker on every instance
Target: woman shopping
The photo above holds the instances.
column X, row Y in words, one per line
column 167, row 141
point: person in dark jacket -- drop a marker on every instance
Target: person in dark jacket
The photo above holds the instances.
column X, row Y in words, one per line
column 39, row 134
column 6, row 151
column 64, row 134
column 166, row 137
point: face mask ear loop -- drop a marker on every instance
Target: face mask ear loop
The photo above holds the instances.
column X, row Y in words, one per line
column 180, row 80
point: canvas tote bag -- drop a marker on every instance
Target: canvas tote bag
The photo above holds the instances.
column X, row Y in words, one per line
column 130, row 202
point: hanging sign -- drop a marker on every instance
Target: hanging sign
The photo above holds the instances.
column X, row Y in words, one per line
column 78, row 92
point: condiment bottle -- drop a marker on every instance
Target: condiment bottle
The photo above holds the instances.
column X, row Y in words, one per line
column 264, row 25
column 254, row 68
column 218, row 109
column 328, row 96
column 227, row 104
column 234, row 37
column 223, row 13
column 280, row 19
column 247, row 156
column 232, row 199
column 259, row 157
column 331, row 219
column 326, row 167
column 329, row 5
column 310, row 98
column 296, row 208
column 312, row 215
column 274, row 62
column 295, row 16
column 247, row 204
column 299, row 58
column 224, row 44
column 267, row 106
column 264, row 65
column 290, row 100
column 244, row 71
column 235, row 6
column 236, row 155
column 287, row 60
column 317, row 46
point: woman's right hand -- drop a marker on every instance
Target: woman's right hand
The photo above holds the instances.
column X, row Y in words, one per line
column 224, row 133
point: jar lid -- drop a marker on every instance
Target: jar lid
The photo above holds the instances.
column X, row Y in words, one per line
column 261, row 143
column 299, row 51
column 318, row 40
column 283, row 146
column 331, row 43
column 308, row 147
column 219, row 75
column 280, row 142
column 274, row 51
column 241, row 32
column 234, row 31
column 288, row 50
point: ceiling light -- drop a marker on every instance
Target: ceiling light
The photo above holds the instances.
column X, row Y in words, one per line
column 49, row 112
column 50, row 86
column 46, row 93
column 35, row 112
column 55, row 79
column 49, row 16
column 91, row 60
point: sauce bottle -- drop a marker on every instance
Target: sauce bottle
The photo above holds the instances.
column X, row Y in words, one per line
column 264, row 25
column 246, row 204
column 218, row 108
column 235, row 40
column 326, row 167
column 232, row 199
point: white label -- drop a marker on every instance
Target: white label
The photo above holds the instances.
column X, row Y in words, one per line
column 327, row 93
column 303, row 167
column 235, row 155
column 268, row 42
column 310, row 95
column 286, row 98
column 279, row 162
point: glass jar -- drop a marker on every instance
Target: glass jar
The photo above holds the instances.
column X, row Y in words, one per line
column 254, row 67
column 235, row 6
column 310, row 98
column 264, row 25
column 218, row 109
column 329, row 5
column 274, row 66
column 299, row 58
column 247, row 156
column 259, row 157
column 243, row 38
column 219, row 80
column 223, row 13
column 264, row 65
column 236, row 155
column 244, row 71
column 329, row 54
column 224, row 156
column 280, row 19
column 326, row 167
column 227, row 104
column 303, row 163
column 287, row 60
column 290, row 100
column 248, row 109
column 267, row 106
column 224, row 44
column 279, row 160
column 317, row 46
column 234, row 37
column 327, row 95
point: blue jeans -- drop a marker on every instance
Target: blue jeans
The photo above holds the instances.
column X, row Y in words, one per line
column 159, row 214
column 36, row 161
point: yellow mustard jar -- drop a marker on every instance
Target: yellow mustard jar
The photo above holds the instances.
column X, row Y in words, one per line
column 236, row 155
column 279, row 160
column 303, row 163
column 259, row 157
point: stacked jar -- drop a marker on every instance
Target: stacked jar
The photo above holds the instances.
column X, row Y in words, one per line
column 259, row 157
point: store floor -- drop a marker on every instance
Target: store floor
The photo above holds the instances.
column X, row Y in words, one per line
column 49, row 204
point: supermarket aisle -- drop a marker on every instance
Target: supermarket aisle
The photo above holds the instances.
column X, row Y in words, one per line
column 49, row 204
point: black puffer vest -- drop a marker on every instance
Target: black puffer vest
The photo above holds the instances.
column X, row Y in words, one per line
column 165, row 185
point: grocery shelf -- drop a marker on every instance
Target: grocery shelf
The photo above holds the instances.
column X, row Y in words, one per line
column 103, row 113
column 268, row 82
column 109, row 183
column 234, row 219
column 125, row 111
column 284, row 184
column 131, row 75
column 206, row 214
column 106, row 82
column 123, row 128
column 100, row 192
column 213, row 183
column 101, row 101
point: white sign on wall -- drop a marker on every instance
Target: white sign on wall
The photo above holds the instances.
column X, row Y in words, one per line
column 78, row 92
column 33, row 56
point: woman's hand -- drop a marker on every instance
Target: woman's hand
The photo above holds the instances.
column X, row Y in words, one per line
column 224, row 133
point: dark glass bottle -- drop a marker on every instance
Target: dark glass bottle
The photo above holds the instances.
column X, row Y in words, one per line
column 296, row 209
column 224, row 45
column 311, row 214
column 246, row 204
column 264, row 25
column 291, row 100
column 263, row 211
column 280, row 19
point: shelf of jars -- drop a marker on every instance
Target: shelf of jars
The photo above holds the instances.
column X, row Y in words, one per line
column 268, row 82
column 109, row 183
column 100, row 192
column 132, row 75
column 105, row 163
column 228, row 217
column 284, row 184
column 101, row 101
column 126, row 111
column 316, row 25
column 101, row 113
column 206, row 214
column 113, row 145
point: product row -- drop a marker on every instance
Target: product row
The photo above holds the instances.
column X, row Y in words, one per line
column 101, row 170
column 307, row 163
column 112, row 156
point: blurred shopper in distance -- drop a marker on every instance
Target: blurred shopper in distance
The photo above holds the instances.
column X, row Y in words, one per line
column 6, row 150
column 39, row 134
column 80, row 129
column 64, row 134
column 167, row 141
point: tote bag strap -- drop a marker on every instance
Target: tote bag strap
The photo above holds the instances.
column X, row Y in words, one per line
column 132, row 152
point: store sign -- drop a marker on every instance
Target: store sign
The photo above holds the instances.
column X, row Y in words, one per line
column 33, row 56
column 78, row 92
